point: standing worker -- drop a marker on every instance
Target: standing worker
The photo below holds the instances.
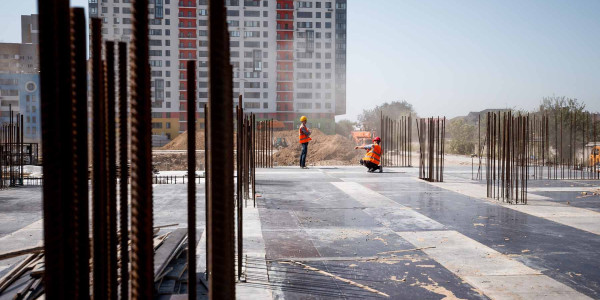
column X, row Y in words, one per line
column 304, row 134
column 373, row 157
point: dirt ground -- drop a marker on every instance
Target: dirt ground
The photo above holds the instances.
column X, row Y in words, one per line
column 323, row 150
column 180, row 142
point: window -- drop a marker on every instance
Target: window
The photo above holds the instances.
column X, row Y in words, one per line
column 252, row 23
column 251, row 33
column 251, row 13
column 304, row 4
column 301, row 105
column 250, row 105
column 252, row 95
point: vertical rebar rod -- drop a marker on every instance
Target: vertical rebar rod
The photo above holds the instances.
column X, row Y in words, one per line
column 57, row 140
column 142, row 260
column 207, row 215
column 80, row 157
column 112, row 170
column 124, row 174
column 191, row 166
column 221, row 230
column 99, row 192
column 239, row 170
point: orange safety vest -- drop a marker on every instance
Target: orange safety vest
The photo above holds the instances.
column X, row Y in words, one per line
column 374, row 155
column 303, row 137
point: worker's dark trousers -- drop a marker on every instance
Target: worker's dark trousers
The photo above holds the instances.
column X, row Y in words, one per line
column 370, row 165
column 303, row 155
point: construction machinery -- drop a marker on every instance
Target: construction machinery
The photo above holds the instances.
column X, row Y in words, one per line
column 279, row 143
column 595, row 156
column 362, row 137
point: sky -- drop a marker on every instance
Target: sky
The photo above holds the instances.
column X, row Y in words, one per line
column 453, row 57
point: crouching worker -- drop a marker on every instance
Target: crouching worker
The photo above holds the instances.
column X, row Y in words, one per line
column 373, row 156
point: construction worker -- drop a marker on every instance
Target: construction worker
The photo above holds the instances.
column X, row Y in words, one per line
column 373, row 156
column 304, row 136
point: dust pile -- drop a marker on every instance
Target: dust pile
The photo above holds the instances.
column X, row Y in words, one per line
column 323, row 150
column 175, row 161
column 180, row 142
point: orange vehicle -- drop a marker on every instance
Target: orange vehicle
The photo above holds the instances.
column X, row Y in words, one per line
column 362, row 137
column 595, row 156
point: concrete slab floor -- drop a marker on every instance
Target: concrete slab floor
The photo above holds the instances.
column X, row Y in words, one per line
column 342, row 233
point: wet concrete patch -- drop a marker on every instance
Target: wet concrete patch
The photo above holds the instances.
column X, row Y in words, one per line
column 423, row 279
column 512, row 232
column 356, row 242
column 288, row 243
column 582, row 199
column 346, row 217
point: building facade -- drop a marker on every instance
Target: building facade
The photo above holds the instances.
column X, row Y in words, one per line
column 19, row 80
column 286, row 57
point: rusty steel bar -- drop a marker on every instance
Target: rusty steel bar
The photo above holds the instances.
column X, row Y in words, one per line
column 99, row 192
column 80, row 155
column 142, row 264
column 191, row 166
column 207, row 177
column 112, row 170
column 220, row 226
column 239, row 170
column 124, row 171
column 60, row 223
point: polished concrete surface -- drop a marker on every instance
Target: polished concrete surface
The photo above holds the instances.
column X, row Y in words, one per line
column 342, row 233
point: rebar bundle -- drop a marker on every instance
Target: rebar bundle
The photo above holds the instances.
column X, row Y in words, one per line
column 14, row 153
column 117, row 270
column 432, row 136
column 507, row 161
column 559, row 145
column 396, row 141
column 263, row 141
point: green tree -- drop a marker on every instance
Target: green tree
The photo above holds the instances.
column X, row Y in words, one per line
column 462, row 136
column 371, row 118
column 566, row 116
column 344, row 127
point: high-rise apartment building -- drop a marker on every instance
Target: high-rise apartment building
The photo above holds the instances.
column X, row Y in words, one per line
column 288, row 57
column 19, row 80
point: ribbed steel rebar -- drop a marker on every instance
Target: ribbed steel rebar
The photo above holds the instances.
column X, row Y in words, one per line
column 191, row 165
column 142, row 264
column 221, row 223
column 124, row 170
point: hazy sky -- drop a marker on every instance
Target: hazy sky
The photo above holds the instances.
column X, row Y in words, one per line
column 451, row 57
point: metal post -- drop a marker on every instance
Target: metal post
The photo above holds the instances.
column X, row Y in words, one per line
column 220, row 225
column 59, row 193
column 142, row 262
column 191, row 166
column 123, row 164
column 99, row 196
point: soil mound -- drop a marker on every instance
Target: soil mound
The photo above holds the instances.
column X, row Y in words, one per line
column 180, row 142
column 323, row 150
